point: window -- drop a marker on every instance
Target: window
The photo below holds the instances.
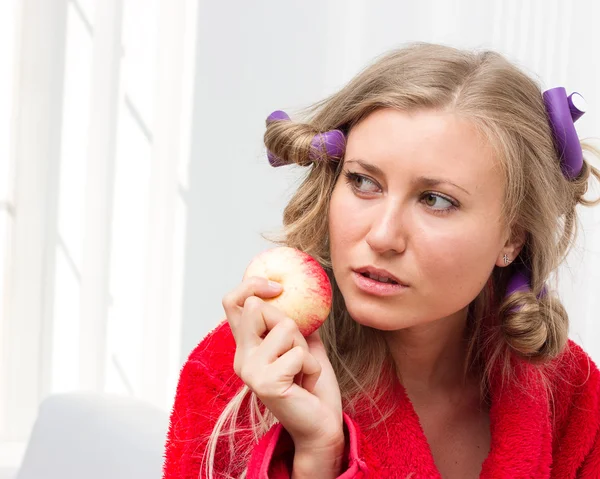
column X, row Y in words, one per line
column 93, row 255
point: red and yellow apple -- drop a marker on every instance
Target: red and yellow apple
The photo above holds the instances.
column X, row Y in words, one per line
column 306, row 295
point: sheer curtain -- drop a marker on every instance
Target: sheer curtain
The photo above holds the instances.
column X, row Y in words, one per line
column 134, row 182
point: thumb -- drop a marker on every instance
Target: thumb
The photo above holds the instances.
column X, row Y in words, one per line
column 327, row 387
column 317, row 348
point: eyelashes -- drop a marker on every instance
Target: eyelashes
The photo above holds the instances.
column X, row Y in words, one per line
column 365, row 186
column 353, row 178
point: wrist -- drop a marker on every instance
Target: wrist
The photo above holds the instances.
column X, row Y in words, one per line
column 319, row 462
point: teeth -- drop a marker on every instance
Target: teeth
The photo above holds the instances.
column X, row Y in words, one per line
column 381, row 279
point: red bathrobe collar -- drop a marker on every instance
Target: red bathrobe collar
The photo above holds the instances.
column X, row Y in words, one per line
column 521, row 433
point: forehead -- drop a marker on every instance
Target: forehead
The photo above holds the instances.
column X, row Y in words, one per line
column 427, row 142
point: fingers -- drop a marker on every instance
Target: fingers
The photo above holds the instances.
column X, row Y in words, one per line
column 298, row 360
column 316, row 346
column 282, row 337
column 287, row 350
column 330, row 396
column 256, row 320
column 233, row 302
column 283, row 354
column 277, row 380
column 276, row 362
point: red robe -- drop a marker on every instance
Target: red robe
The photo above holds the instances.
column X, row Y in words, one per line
column 529, row 438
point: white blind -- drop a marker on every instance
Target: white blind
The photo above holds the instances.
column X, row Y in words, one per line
column 92, row 254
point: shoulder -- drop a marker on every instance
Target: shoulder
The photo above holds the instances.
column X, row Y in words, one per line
column 207, row 383
column 210, row 363
column 575, row 384
column 217, row 346
column 575, row 366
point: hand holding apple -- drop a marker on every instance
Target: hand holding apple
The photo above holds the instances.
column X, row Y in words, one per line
column 284, row 364
column 306, row 296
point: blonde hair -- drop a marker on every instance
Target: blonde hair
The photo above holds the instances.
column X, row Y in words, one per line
column 507, row 107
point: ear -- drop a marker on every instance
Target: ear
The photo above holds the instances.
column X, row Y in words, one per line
column 512, row 247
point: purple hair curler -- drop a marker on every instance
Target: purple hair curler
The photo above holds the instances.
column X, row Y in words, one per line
column 328, row 145
column 519, row 281
column 563, row 112
column 278, row 115
column 334, row 143
column 275, row 161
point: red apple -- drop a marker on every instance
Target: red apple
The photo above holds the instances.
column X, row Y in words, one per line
column 306, row 296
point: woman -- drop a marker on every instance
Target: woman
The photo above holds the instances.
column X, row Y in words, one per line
column 441, row 196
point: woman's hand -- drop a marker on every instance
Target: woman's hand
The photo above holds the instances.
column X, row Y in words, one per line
column 290, row 374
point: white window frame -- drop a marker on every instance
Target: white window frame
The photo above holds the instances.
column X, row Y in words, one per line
column 39, row 71
column 27, row 319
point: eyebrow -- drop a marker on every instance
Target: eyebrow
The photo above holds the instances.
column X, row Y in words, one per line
column 424, row 180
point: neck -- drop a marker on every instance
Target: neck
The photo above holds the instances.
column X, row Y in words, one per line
column 430, row 358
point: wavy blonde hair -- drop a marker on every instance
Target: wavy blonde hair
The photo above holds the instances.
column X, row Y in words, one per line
column 507, row 107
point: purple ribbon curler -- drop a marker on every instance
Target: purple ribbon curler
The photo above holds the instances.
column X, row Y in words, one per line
column 328, row 145
column 334, row 142
column 563, row 112
column 275, row 161
column 278, row 115
column 520, row 282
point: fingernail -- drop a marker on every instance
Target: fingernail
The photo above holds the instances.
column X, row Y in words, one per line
column 274, row 285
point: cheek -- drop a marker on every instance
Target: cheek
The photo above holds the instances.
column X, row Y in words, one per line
column 342, row 233
column 457, row 260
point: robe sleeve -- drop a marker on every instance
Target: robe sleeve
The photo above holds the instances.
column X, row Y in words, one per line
column 590, row 468
column 580, row 442
column 273, row 456
column 206, row 384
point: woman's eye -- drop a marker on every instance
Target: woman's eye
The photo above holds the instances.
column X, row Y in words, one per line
column 361, row 183
column 437, row 202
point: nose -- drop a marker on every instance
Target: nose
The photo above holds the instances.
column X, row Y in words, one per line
column 388, row 232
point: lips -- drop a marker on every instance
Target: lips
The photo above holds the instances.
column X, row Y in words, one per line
column 380, row 275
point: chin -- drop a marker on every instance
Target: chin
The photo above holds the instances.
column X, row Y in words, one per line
column 382, row 313
column 378, row 315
